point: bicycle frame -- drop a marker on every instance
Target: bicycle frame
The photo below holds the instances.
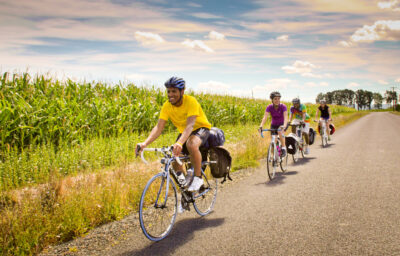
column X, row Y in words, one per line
column 167, row 161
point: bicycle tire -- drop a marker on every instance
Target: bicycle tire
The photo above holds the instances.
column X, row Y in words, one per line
column 151, row 211
column 205, row 198
column 271, row 162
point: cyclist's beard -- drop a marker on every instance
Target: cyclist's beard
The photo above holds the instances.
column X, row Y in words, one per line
column 180, row 99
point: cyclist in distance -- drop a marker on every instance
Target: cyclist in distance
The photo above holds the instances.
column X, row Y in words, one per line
column 326, row 115
column 299, row 112
column 279, row 115
column 188, row 117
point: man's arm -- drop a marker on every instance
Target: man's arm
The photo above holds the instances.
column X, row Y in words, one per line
column 154, row 134
column 316, row 114
column 185, row 135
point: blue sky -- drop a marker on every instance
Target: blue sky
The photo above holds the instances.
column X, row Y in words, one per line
column 243, row 48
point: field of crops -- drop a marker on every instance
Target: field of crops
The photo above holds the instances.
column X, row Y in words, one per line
column 50, row 127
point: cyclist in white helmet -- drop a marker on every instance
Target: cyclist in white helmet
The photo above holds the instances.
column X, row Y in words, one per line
column 299, row 112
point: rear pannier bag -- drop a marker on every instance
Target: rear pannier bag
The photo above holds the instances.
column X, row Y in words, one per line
column 216, row 138
column 223, row 164
column 290, row 141
column 312, row 135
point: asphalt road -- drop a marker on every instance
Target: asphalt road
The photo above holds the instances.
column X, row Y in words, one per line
column 339, row 200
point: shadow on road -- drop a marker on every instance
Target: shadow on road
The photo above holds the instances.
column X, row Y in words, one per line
column 181, row 233
column 327, row 146
column 278, row 180
column 303, row 160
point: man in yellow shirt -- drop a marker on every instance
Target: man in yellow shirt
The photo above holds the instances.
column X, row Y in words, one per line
column 187, row 115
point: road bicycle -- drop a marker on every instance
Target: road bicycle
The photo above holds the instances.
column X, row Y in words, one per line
column 274, row 156
column 300, row 141
column 322, row 132
column 159, row 201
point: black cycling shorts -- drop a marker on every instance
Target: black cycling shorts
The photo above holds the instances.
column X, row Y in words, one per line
column 202, row 133
column 275, row 127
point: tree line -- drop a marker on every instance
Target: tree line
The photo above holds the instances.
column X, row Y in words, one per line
column 362, row 98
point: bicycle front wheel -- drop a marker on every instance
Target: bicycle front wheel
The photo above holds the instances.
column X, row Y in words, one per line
column 158, row 208
column 271, row 162
column 284, row 162
column 204, row 199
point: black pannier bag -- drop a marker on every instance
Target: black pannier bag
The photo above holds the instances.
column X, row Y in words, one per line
column 311, row 135
column 216, row 138
column 290, row 141
column 223, row 163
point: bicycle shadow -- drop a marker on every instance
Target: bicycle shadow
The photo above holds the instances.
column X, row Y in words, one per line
column 303, row 160
column 327, row 146
column 278, row 179
column 181, row 233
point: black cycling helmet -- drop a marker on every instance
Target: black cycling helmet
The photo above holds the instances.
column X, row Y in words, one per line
column 175, row 82
column 274, row 94
column 296, row 100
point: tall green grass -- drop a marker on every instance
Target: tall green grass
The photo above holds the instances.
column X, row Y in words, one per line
column 51, row 128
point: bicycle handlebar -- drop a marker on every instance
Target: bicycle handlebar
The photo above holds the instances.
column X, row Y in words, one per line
column 270, row 130
column 162, row 150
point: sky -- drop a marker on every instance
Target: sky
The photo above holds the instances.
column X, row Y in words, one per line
column 235, row 47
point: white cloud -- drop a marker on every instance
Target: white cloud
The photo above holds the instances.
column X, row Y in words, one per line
column 384, row 30
column 213, row 86
column 213, row 35
column 394, row 5
column 148, row 37
column 203, row 15
column 383, row 82
column 137, row 77
column 274, row 84
column 345, row 44
column 299, row 67
column 397, row 80
column 312, row 84
column 283, row 38
column 352, row 85
column 197, row 45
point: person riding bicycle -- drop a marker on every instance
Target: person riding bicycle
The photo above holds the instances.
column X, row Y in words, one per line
column 188, row 117
column 278, row 114
column 326, row 115
column 299, row 112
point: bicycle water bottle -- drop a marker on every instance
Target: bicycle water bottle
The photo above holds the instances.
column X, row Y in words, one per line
column 189, row 176
column 279, row 150
column 181, row 178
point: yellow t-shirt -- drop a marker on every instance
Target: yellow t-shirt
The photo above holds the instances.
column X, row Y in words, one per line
column 179, row 115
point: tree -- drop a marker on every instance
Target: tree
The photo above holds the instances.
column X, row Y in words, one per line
column 320, row 96
column 378, row 98
column 391, row 97
column 361, row 99
column 368, row 98
column 349, row 97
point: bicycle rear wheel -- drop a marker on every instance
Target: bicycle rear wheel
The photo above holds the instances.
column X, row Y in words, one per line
column 157, row 212
column 271, row 162
column 284, row 162
column 204, row 199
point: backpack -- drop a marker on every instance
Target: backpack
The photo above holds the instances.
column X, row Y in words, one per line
column 223, row 163
column 311, row 136
column 216, row 138
column 290, row 142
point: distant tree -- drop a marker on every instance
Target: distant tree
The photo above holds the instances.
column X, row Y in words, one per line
column 391, row 97
column 378, row 98
column 338, row 97
column 320, row 96
column 368, row 98
column 361, row 99
column 329, row 97
column 349, row 97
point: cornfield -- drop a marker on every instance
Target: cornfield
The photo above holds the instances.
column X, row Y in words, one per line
column 40, row 113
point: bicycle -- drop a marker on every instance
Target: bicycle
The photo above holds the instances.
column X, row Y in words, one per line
column 274, row 156
column 159, row 200
column 299, row 138
column 322, row 132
